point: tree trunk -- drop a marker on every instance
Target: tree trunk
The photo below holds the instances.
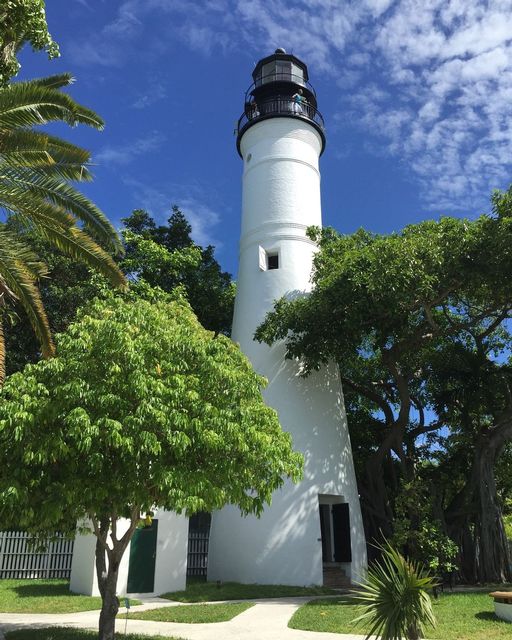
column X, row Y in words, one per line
column 110, row 604
column 108, row 559
column 475, row 519
column 413, row 633
column 493, row 557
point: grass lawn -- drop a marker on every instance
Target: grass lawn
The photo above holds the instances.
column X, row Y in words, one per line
column 60, row 633
column 460, row 616
column 210, row 592
column 196, row 613
column 43, row 596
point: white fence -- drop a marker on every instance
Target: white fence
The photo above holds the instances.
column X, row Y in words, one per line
column 18, row 559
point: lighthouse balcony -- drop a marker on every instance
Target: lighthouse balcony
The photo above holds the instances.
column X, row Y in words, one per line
column 279, row 107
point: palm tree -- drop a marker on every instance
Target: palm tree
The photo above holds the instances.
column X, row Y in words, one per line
column 394, row 597
column 35, row 173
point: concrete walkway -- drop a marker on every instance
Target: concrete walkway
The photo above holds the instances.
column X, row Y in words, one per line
column 266, row 620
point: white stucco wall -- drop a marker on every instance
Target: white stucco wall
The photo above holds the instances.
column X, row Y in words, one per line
column 281, row 198
column 83, row 571
column 171, row 552
column 83, row 568
column 170, row 565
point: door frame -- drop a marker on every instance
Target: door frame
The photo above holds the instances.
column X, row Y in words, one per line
column 330, row 500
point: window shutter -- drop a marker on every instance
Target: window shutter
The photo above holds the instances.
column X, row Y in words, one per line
column 263, row 259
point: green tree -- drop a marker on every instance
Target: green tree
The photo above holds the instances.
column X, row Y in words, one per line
column 470, row 384
column 22, row 21
column 141, row 407
column 68, row 286
column 35, row 173
column 383, row 307
column 209, row 290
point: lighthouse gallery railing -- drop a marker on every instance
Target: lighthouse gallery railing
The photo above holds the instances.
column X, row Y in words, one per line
column 280, row 106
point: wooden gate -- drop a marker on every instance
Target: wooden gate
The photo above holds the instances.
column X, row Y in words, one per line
column 19, row 559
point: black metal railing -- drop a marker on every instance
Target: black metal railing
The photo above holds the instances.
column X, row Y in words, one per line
column 280, row 106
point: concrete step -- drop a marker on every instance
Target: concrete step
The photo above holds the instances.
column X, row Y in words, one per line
column 335, row 577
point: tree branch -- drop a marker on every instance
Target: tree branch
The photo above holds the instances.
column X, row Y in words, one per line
column 372, row 396
column 98, row 533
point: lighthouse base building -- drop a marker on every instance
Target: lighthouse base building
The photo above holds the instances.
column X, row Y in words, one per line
column 312, row 533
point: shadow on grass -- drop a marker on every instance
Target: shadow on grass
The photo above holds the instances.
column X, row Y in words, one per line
column 489, row 615
column 67, row 633
column 331, row 602
column 42, row 590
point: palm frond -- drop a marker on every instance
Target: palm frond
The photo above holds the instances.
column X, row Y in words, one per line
column 35, row 170
column 21, row 181
column 27, row 104
column 54, row 82
column 78, row 245
column 17, row 142
column 59, row 228
column 46, row 165
column 19, row 269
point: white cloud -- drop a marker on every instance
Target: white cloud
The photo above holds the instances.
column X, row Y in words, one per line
column 430, row 81
column 157, row 200
column 124, row 154
column 155, row 93
column 202, row 220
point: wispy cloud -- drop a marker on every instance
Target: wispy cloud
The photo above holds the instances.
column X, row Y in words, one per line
column 155, row 92
column 124, row 154
column 429, row 82
column 158, row 200
column 203, row 220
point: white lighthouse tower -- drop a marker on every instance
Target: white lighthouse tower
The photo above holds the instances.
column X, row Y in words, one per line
column 313, row 532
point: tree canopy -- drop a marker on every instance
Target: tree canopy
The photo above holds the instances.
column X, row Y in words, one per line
column 391, row 310
column 209, row 290
column 141, row 408
column 22, row 21
column 70, row 284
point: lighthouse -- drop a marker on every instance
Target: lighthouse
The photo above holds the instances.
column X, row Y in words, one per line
column 312, row 533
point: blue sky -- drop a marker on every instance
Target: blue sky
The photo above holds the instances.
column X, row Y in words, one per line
column 416, row 96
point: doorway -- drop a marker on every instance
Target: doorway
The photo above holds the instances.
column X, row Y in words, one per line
column 141, row 570
column 335, row 529
column 336, row 543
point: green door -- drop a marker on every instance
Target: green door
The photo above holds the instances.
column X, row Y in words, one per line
column 141, row 570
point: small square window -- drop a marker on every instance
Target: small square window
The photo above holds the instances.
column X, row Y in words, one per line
column 272, row 261
column 268, row 259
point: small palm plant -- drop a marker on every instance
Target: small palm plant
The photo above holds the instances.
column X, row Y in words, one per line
column 395, row 597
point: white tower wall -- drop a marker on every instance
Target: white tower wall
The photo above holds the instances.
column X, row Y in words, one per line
column 281, row 198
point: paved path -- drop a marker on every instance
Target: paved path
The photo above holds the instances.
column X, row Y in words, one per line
column 267, row 620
